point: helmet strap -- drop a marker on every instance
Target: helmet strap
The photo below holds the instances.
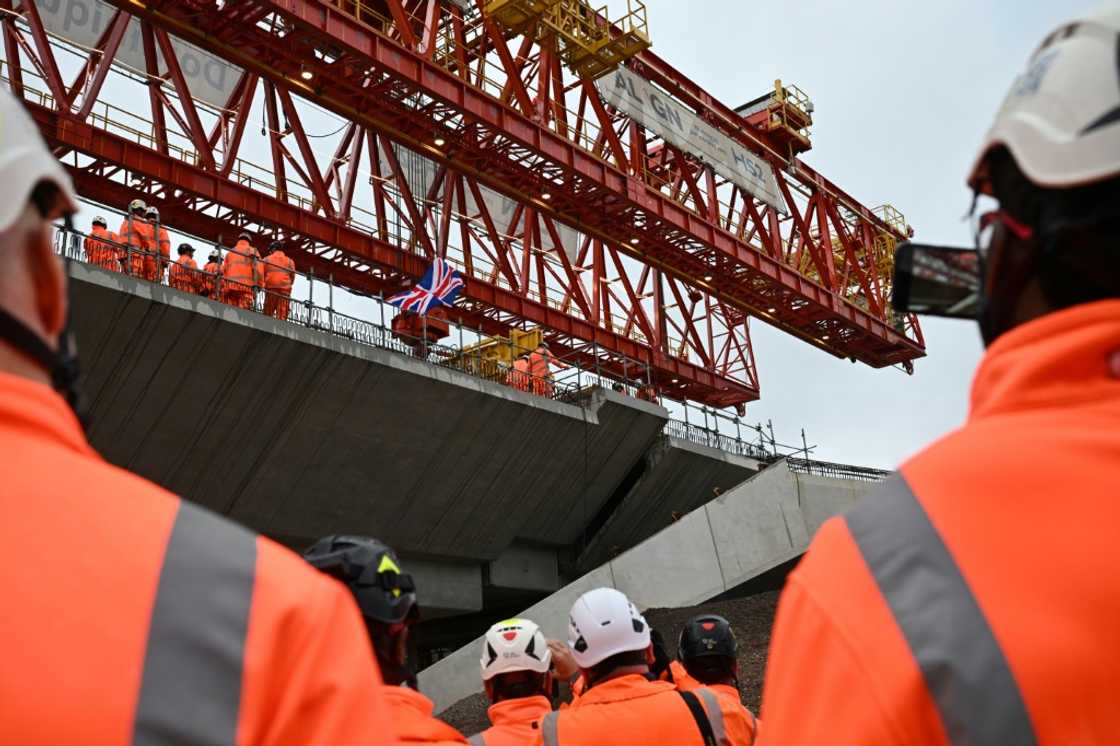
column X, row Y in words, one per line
column 61, row 364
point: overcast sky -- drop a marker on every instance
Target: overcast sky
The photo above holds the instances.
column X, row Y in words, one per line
column 904, row 91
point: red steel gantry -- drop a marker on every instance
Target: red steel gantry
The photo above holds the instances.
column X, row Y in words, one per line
column 465, row 139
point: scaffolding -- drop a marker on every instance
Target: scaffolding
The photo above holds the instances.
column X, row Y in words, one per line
column 587, row 42
column 785, row 112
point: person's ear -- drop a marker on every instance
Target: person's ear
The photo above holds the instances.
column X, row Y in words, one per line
column 48, row 278
column 401, row 651
column 650, row 657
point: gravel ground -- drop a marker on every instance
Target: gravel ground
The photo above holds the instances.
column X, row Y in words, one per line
column 750, row 617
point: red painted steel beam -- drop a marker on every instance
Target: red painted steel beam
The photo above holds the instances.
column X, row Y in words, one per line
column 200, row 184
column 599, row 198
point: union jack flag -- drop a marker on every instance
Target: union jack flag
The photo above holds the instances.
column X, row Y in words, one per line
column 439, row 286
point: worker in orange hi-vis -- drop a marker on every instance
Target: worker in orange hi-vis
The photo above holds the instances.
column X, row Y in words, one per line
column 973, row 599
column 620, row 702
column 517, row 674
column 101, row 246
column 211, row 279
column 137, row 237
column 519, row 377
column 541, row 361
column 143, row 618
column 707, row 658
column 184, row 274
column 241, row 274
column 159, row 257
column 279, row 275
column 386, row 597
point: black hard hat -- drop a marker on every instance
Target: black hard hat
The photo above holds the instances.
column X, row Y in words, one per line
column 185, row 248
column 276, row 245
column 707, row 634
column 371, row 571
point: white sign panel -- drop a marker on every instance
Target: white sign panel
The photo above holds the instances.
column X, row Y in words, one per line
column 420, row 172
column 641, row 101
column 82, row 22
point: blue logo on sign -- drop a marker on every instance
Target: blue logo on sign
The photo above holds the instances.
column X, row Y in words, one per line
column 1030, row 81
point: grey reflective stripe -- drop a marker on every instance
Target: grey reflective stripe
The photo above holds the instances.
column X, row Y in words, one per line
column 190, row 690
column 550, row 727
column 715, row 715
column 964, row 668
column 754, row 725
column 477, row 740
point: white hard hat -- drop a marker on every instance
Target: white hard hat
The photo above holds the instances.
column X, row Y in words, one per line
column 1061, row 120
column 514, row 645
column 603, row 623
column 24, row 162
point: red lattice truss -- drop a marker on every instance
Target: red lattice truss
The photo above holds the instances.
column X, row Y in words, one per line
column 667, row 261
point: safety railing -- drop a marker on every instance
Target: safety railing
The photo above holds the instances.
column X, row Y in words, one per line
column 309, row 310
column 840, row 471
column 706, row 437
column 567, row 381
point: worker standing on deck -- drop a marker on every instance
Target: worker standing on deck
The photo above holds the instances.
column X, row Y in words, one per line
column 241, row 274
column 279, row 275
column 707, row 658
column 519, row 377
column 516, row 672
column 541, row 362
column 136, row 235
column 973, row 600
column 159, row 257
column 184, row 272
column 210, row 282
column 100, row 246
column 142, row 618
column 386, row 597
column 621, row 702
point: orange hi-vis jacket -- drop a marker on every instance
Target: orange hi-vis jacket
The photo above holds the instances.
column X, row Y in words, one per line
column 518, row 377
column 513, row 722
column 629, row 709
column 153, row 264
column 974, row 599
column 138, row 234
column 100, row 249
column 209, row 282
column 541, row 362
column 240, row 270
column 739, row 723
column 413, row 720
column 134, row 617
column 279, row 272
column 184, row 275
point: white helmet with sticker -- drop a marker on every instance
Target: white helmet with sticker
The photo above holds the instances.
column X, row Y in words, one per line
column 1061, row 119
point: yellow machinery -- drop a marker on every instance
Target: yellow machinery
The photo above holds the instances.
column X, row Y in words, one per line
column 491, row 357
column 587, row 42
column 883, row 252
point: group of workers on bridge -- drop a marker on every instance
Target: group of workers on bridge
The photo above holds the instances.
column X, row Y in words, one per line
column 971, row 600
column 142, row 248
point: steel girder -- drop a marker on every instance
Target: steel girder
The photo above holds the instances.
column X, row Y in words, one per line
column 605, row 298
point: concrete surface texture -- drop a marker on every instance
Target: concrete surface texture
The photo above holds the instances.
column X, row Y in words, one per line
column 675, row 477
column 758, row 525
column 298, row 433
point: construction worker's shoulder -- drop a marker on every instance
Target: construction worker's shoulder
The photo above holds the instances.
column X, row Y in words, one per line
column 625, row 710
column 412, row 718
